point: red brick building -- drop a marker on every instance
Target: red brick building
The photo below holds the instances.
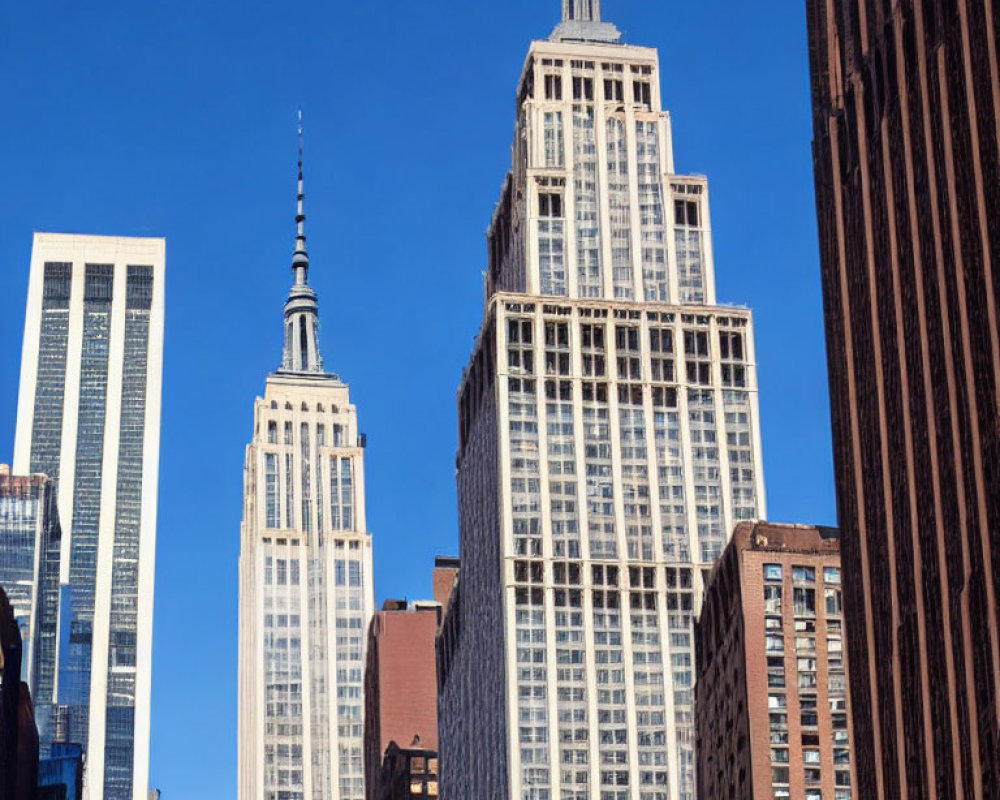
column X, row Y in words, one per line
column 401, row 699
column 445, row 576
column 771, row 693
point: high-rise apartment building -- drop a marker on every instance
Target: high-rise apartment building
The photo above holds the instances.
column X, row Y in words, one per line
column 89, row 418
column 906, row 104
column 771, row 706
column 608, row 442
column 30, row 541
column 305, row 573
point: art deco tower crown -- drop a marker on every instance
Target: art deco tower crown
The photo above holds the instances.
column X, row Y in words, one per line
column 302, row 308
column 581, row 22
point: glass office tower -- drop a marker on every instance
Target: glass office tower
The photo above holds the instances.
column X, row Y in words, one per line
column 89, row 418
column 30, row 539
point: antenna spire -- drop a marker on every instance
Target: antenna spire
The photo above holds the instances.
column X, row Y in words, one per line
column 300, row 258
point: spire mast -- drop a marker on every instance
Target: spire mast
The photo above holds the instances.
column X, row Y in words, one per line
column 300, row 258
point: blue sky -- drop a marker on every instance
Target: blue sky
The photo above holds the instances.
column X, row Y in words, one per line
column 178, row 120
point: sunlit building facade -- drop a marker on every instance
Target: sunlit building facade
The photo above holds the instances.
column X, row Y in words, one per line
column 305, row 574
column 608, row 444
column 89, row 418
column 30, row 539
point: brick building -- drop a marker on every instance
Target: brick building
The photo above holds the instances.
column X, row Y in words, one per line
column 771, row 693
column 401, row 701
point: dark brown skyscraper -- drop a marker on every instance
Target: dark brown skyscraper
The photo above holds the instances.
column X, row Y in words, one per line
column 906, row 102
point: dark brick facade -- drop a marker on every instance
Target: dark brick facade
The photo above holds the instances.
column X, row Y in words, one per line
column 906, row 103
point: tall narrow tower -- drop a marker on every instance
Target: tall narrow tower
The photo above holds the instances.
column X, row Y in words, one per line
column 89, row 418
column 305, row 572
column 608, row 443
column 906, row 157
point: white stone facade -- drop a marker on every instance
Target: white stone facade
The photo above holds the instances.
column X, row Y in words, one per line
column 609, row 442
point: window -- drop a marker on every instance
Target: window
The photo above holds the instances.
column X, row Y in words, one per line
column 583, row 88
column 772, row 572
column 272, row 432
column 804, row 574
column 772, row 599
column 552, row 131
column 831, row 575
column 686, row 213
column 550, row 205
column 553, row 87
column 699, row 367
column 805, row 601
column 271, row 500
column 614, row 90
column 641, row 94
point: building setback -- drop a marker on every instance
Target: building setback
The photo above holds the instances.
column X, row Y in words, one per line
column 400, row 698
column 608, row 443
column 30, row 540
column 771, row 706
column 89, row 418
column 305, row 572
column 906, row 109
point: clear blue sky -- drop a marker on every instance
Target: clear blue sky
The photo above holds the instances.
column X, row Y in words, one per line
column 178, row 120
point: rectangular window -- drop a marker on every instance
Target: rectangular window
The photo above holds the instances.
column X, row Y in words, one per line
column 271, row 500
column 831, row 575
column 56, row 286
column 553, row 87
column 803, row 574
column 289, row 492
column 552, row 128
column 99, row 283
column 139, row 288
column 686, row 213
column 614, row 90
column 642, row 94
column 346, row 494
column 772, row 600
column 583, row 88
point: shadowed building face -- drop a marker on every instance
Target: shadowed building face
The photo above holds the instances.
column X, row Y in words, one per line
column 906, row 102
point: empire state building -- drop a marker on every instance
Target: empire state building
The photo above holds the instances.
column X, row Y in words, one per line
column 305, row 572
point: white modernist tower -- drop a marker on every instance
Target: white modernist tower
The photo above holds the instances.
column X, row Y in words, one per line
column 608, row 443
column 305, row 573
column 89, row 418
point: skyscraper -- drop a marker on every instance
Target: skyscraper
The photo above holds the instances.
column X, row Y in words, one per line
column 608, row 442
column 772, row 683
column 907, row 165
column 89, row 418
column 30, row 541
column 305, row 572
